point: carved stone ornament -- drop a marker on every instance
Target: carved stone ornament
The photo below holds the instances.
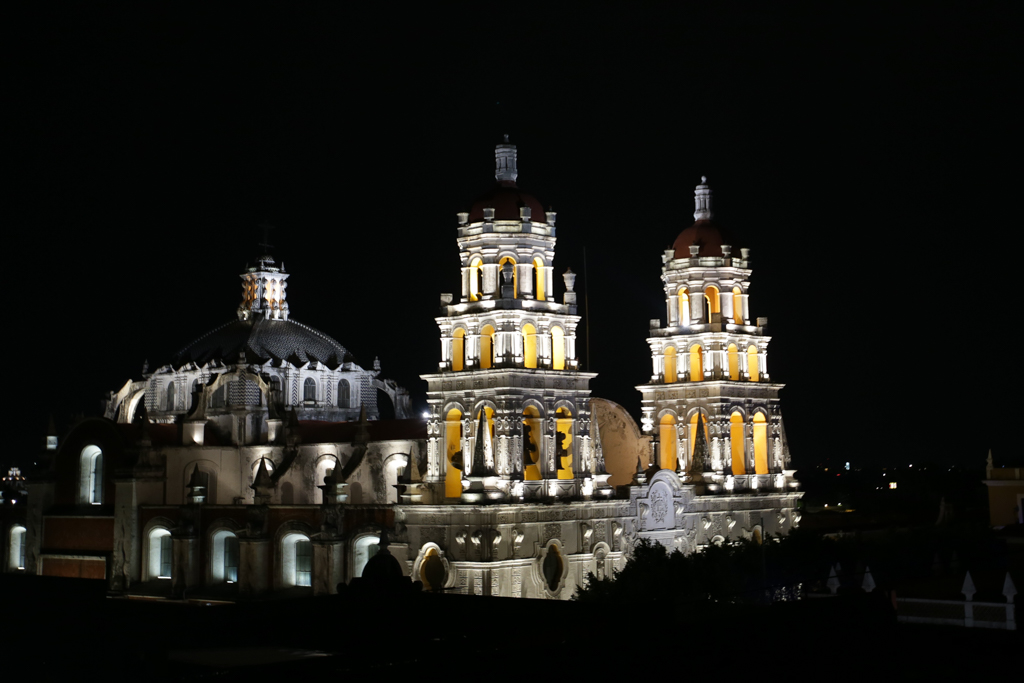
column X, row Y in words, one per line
column 659, row 506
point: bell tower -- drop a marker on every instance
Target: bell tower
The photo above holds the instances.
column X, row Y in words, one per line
column 509, row 408
column 710, row 369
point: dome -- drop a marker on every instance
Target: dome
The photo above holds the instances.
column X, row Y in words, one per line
column 703, row 233
column 506, row 199
column 261, row 340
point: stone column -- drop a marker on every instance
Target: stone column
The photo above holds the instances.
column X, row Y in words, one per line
column 490, row 281
column 524, row 278
column 40, row 498
column 125, row 557
column 253, row 566
column 725, row 299
column 328, row 565
column 184, row 564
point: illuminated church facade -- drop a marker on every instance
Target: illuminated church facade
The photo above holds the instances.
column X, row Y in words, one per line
column 262, row 459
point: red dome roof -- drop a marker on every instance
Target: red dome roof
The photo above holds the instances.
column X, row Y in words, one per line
column 703, row 233
column 506, row 199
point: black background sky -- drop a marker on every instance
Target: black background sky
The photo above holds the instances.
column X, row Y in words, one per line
column 868, row 157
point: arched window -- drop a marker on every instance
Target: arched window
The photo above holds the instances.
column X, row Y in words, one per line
column 671, row 373
column 734, row 362
column 713, row 303
column 475, row 269
column 432, row 572
column 170, row 396
column 458, row 349
column 276, row 395
column 296, row 560
column 538, row 269
column 486, row 347
column 684, row 307
column 737, row 306
column 16, row 549
column 91, row 481
column 668, row 442
column 344, row 394
column 531, row 443
column 753, row 368
column 557, row 348
column 737, row 443
column 760, row 444
column 563, row 450
column 195, row 390
column 515, row 275
column 600, row 558
column 455, row 457
column 309, row 390
column 365, row 548
column 529, row 346
column 696, row 363
column 224, row 562
column 159, row 564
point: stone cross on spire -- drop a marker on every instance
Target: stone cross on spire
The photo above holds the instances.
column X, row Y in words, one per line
column 702, row 201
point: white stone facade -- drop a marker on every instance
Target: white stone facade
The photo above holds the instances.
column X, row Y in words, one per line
column 237, row 480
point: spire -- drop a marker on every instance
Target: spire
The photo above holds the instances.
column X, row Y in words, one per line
column 505, row 162
column 483, row 453
column 264, row 287
column 700, row 449
column 196, row 487
column 262, row 485
column 702, row 201
column 599, row 466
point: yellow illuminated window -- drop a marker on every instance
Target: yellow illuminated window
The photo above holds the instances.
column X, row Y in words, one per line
column 670, row 365
column 736, row 443
column 668, row 442
column 515, row 275
column 696, row 363
column 458, row 349
column 557, row 348
column 529, row 346
column 684, row 307
column 486, row 347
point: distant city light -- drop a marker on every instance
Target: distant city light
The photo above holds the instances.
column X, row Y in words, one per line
column 892, row 484
column 847, row 466
column 426, row 414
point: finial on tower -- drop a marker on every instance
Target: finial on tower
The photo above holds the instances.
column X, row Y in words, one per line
column 702, row 201
column 505, row 162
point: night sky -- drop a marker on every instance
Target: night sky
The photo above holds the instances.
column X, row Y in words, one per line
column 867, row 158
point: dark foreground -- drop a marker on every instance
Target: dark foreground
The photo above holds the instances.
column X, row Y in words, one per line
column 55, row 629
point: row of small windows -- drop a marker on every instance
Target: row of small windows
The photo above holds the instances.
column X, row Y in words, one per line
column 219, row 399
column 695, row 371
column 712, row 305
column 476, row 289
column 670, row 432
column 488, row 353
column 296, row 556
